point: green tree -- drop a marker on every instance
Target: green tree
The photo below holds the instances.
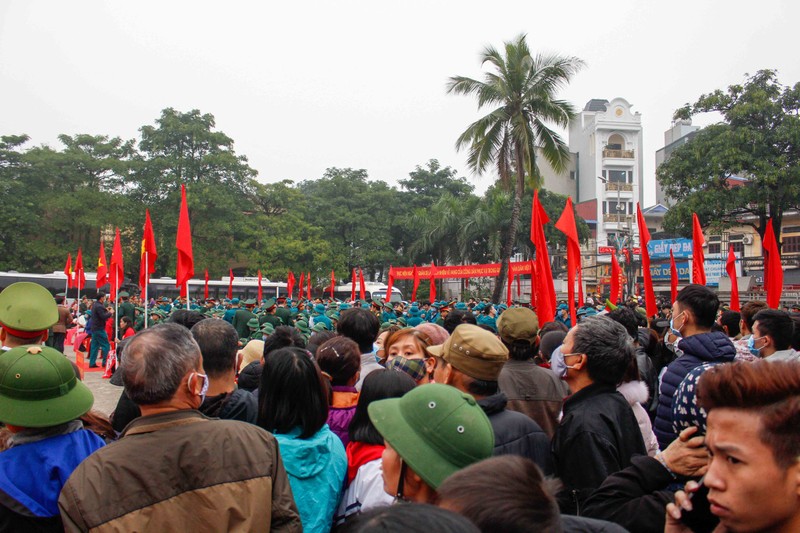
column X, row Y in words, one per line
column 757, row 140
column 427, row 185
column 520, row 89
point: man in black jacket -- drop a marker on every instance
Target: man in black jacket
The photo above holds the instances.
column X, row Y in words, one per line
column 470, row 360
column 598, row 434
column 99, row 335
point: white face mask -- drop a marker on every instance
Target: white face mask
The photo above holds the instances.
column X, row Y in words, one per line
column 203, row 389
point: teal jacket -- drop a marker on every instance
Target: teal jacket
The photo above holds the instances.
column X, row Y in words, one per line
column 317, row 467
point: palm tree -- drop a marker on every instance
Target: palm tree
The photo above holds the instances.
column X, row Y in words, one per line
column 520, row 90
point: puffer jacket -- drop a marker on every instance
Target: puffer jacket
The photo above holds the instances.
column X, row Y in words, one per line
column 341, row 412
column 713, row 347
column 517, row 434
column 636, row 394
column 317, row 467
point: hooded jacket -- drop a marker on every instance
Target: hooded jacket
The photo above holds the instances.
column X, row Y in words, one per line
column 237, row 405
column 316, row 467
column 636, row 394
column 714, row 347
column 250, row 376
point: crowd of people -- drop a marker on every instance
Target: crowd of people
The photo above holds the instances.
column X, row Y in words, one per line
column 301, row 415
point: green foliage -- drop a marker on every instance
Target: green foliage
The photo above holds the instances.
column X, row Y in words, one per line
column 757, row 140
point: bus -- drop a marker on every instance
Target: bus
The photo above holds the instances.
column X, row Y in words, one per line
column 243, row 288
column 373, row 291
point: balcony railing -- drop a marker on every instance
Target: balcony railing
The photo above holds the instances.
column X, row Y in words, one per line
column 624, row 187
column 615, row 218
column 618, row 154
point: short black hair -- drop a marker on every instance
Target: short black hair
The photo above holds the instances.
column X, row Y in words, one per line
column 457, row 317
column 778, row 325
column 361, row 326
column 409, row 518
column 283, row 337
column 730, row 319
column 750, row 310
column 219, row 344
column 378, row 385
column 796, row 335
column 292, row 393
column 186, row 318
column 627, row 317
column 701, row 301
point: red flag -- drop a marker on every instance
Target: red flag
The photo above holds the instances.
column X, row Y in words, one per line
column 698, row 259
column 205, row 288
column 68, row 271
column 183, row 242
column 773, row 271
column 147, row 259
column 117, row 272
column 533, row 288
column 290, row 281
column 616, row 277
column 644, row 238
column 353, row 286
column 80, row 277
column 730, row 268
column 566, row 225
column 673, row 277
column 362, row 289
column 509, row 282
column 185, row 290
column 301, row 285
column 416, row 284
column 260, row 288
column 308, row 280
column 102, row 266
column 333, row 282
column 230, row 283
column 432, row 295
column 546, row 293
column 389, row 284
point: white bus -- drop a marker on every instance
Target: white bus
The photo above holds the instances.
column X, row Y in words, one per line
column 373, row 290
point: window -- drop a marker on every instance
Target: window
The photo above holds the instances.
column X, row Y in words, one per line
column 715, row 244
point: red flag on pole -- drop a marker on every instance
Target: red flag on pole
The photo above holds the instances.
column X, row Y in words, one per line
column 230, row 283
column 117, row 272
column 730, row 268
column 416, row 284
column 432, row 295
column 362, row 289
column 308, row 280
column 68, row 271
column 80, row 276
column 509, row 282
column 147, row 259
column 616, row 275
column 673, row 277
column 353, row 286
column 260, row 288
column 644, row 238
column 205, row 288
column 290, row 281
column 566, row 225
column 389, row 284
column 546, row 293
column 183, row 242
column 102, row 266
column 333, row 282
column 698, row 259
column 773, row 271
column 301, row 285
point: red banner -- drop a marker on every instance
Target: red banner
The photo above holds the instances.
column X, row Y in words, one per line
column 490, row 270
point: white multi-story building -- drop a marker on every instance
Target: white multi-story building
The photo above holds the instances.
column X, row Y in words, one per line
column 606, row 138
column 679, row 133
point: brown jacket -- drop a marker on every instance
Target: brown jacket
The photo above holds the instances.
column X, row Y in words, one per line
column 533, row 391
column 181, row 471
column 64, row 320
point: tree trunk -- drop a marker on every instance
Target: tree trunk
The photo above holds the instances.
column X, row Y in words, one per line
column 512, row 229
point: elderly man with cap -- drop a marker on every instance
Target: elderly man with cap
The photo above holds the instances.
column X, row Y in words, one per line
column 175, row 469
column 471, row 360
column 430, row 433
column 27, row 310
column 531, row 390
column 40, row 402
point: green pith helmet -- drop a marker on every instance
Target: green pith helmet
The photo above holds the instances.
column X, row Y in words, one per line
column 27, row 309
column 436, row 429
column 252, row 323
column 38, row 388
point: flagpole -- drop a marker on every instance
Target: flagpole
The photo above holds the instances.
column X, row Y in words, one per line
column 146, row 282
column 116, row 311
column 187, row 295
column 66, row 293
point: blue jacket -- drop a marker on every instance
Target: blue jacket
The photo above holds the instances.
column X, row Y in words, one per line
column 317, row 467
column 713, row 347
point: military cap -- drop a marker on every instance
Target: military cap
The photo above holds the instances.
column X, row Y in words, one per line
column 27, row 309
column 268, row 304
column 252, row 323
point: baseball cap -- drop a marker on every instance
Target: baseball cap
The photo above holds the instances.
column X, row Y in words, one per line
column 474, row 351
column 38, row 388
column 27, row 309
column 436, row 429
column 518, row 324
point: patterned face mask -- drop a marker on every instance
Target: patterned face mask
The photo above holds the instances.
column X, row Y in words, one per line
column 413, row 367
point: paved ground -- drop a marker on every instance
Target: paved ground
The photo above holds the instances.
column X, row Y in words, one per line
column 106, row 395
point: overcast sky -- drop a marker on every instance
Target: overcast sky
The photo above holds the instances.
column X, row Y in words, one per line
column 303, row 86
